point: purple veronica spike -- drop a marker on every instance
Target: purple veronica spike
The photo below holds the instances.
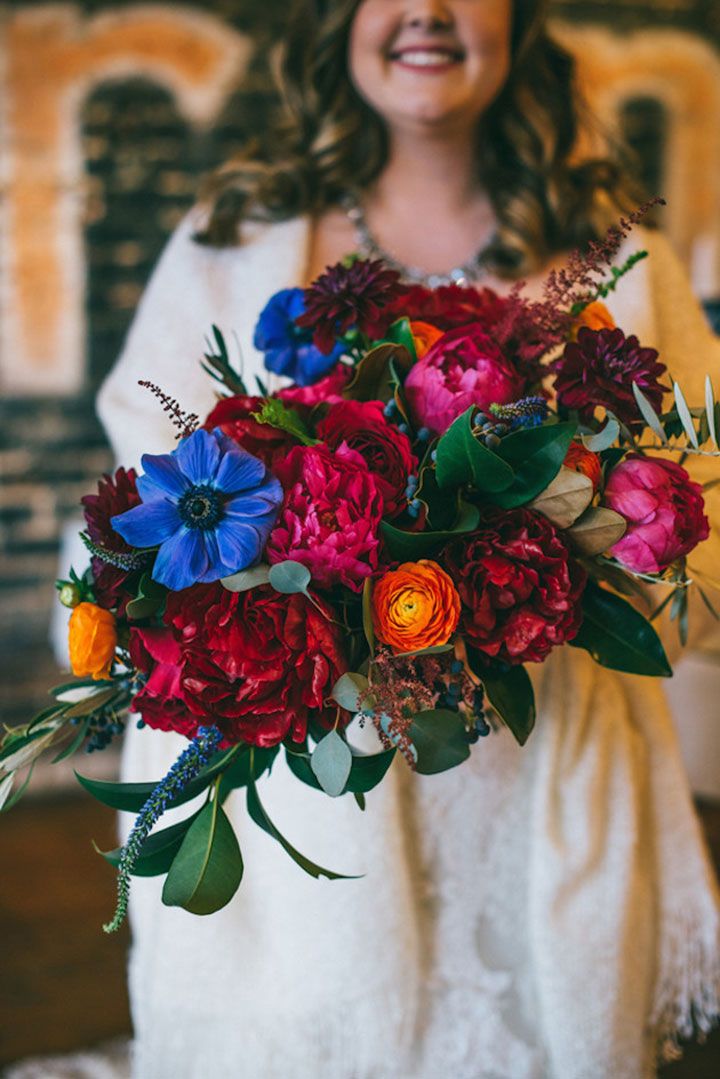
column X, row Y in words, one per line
column 209, row 506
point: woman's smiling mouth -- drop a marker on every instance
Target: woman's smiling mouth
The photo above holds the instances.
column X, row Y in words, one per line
column 432, row 58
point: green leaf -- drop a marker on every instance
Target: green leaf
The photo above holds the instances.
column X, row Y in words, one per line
column 648, row 413
column 13, row 799
column 374, row 380
column 350, row 691
column 400, row 333
column 247, row 579
column 258, row 814
column 79, row 683
column 149, row 599
column 409, row 546
column 604, row 439
column 536, row 455
column 710, row 410
column 618, row 637
column 289, row 577
column 360, row 799
column 91, row 703
column 6, row 786
column 368, row 769
column 442, row 508
column 131, row 797
column 207, row 870
column 331, row 762
column 684, row 414
column 511, row 695
column 158, row 850
column 276, row 414
column 368, row 627
column 74, row 744
column 439, row 737
column 238, row 774
column 461, row 459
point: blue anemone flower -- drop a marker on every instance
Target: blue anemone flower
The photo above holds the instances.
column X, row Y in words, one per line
column 288, row 348
column 209, row 505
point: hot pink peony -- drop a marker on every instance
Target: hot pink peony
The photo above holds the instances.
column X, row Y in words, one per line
column 664, row 509
column 330, row 518
column 465, row 367
column 327, row 390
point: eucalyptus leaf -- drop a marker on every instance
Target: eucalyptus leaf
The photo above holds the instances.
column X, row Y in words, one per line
column 597, row 530
column 618, row 637
column 565, row 498
column 648, row 413
column 350, row 690
column 247, row 579
column 604, row 439
column 440, row 740
column 331, row 762
column 289, row 577
column 710, row 409
column 207, row 870
column 461, row 459
column 684, row 414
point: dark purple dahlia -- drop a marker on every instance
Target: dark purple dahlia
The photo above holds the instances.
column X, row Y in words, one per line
column 347, row 296
column 600, row 368
column 115, row 495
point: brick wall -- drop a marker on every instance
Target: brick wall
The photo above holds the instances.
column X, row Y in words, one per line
column 141, row 161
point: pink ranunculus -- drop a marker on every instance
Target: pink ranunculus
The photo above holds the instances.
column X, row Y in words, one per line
column 465, row 367
column 331, row 515
column 664, row 510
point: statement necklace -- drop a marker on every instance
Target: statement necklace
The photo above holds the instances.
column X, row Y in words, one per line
column 466, row 274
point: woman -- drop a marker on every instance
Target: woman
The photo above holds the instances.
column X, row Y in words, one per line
column 544, row 912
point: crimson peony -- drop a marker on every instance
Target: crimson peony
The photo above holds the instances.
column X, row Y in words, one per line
column 331, row 515
column 362, row 426
column 233, row 415
column 519, row 586
column 664, row 510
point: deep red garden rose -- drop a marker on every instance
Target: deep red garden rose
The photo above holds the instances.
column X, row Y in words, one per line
column 156, row 652
column 387, row 451
column 233, row 415
column 599, row 368
column 327, row 390
column 519, row 586
column 114, row 587
column 330, row 517
column 446, row 307
column 259, row 664
column 663, row 507
column 465, row 367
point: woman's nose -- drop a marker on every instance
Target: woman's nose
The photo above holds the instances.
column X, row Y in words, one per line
column 429, row 14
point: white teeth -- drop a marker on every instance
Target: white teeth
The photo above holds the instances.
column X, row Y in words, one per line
column 421, row 58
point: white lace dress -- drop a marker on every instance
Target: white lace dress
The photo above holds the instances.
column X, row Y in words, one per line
column 539, row 912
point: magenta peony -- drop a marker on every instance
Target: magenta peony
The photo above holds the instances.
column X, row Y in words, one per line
column 331, row 515
column 327, row 390
column 600, row 368
column 664, row 510
column 465, row 367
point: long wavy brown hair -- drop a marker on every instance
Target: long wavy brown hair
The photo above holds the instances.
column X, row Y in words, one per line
column 327, row 141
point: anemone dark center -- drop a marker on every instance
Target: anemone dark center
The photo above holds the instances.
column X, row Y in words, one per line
column 201, row 507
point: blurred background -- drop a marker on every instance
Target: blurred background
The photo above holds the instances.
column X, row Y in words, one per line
column 109, row 115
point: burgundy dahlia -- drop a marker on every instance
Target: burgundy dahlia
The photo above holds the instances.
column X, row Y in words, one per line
column 115, row 495
column 259, row 664
column 519, row 587
column 600, row 368
column 345, row 297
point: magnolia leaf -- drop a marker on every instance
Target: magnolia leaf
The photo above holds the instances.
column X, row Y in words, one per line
column 440, row 740
column 331, row 762
column 157, row 852
column 604, row 439
column 619, row 637
column 368, row 769
column 710, row 409
column 536, row 454
column 368, row 627
column 597, row 530
column 360, row 799
column 247, row 579
column 374, row 380
column 410, row 546
column 684, row 414
column 149, row 599
column 511, row 695
column 461, row 459
column 563, row 500
column 207, row 870
column 400, row 333
column 350, row 691
column 648, row 413
column 131, row 797
column 289, row 577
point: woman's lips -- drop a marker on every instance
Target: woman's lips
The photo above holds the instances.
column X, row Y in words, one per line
column 431, row 60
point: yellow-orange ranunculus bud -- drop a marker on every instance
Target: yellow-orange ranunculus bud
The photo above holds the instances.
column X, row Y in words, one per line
column 424, row 337
column 594, row 317
column 415, row 606
column 585, row 461
column 93, row 640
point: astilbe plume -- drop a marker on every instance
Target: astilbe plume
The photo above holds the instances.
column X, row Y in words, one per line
column 347, row 296
column 186, row 422
column 402, row 686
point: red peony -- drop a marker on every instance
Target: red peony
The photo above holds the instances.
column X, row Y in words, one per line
column 113, row 586
column 446, row 307
column 259, row 664
column 331, row 515
column 233, row 415
column 345, row 297
column 600, row 368
column 519, row 586
column 388, row 453
column 156, row 652
column 327, row 390
column 465, row 367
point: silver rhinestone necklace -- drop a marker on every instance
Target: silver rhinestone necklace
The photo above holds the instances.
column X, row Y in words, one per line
column 466, row 274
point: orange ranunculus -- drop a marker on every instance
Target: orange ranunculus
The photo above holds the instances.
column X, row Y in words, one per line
column 424, row 336
column 93, row 640
column 585, row 461
column 415, row 606
column 594, row 317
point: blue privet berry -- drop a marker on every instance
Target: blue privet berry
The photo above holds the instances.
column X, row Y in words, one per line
column 390, row 410
column 140, row 724
column 456, row 666
column 186, row 767
column 414, row 507
column 433, row 455
column 423, row 434
column 482, row 727
column 403, row 428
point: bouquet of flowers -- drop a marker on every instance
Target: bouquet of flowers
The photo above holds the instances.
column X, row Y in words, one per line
column 453, row 485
